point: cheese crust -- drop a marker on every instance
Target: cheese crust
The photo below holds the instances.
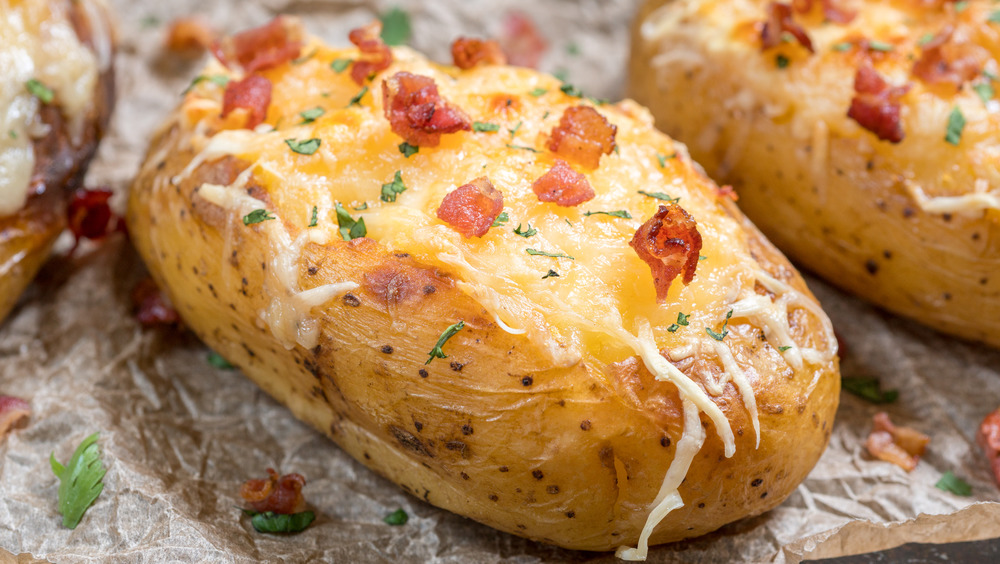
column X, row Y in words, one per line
column 566, row 410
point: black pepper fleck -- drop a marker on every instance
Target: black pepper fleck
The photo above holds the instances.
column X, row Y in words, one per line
column 493, row 497
column 664, row 441
column 571, row 514
column 351, row 300
column 423, row 373
column 585, row 425
column 467, row 429
column 387, row 349
column 418, row 425
column 504, row 469
column 756, row 482
column 871, row 266
column 552, row 489
column 537, row 474
column 456, row 366
column 464, row 476
column 526, row 381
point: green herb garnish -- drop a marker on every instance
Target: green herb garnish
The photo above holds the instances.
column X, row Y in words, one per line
column 725, row 329
column 523, row 148
column 660, row 196
column 392, row 189
column 536, row 252
column 956, row 123
column 218, row 361
column 307, row 147
column 551, row 274
column 271, row 522
column 617, row 213
column 869, row 389
column 397, row 517
column 536, row 92
column 682, row 320
column 311, row 115
column 514, row 131
column 985, row 91
column 341, row 64
column 501, row 219
column 39, row 90
column 356, row 100
column 408, row 150
column 784, row 348
column 881, row 46
column 437, row 352
column 570, row 90
column 257, row 216
column 219, row 80
column 363, row 206
column 395, row 27
column 481, row 126
column 781, row 61
column 949, row 482
column 994, row 17
column 79, row 481
column 314, row 218
column 525, row 233
column 842, row 46
column 925, row 39
column 663, row 159
column 349, row 228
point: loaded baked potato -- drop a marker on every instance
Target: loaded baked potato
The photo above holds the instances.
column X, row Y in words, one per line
column 520, row 304
column 862, row 137
column 56, row 94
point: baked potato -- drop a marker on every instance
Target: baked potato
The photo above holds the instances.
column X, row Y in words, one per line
column 56, row 95
column 463, row 277
column 861, row 137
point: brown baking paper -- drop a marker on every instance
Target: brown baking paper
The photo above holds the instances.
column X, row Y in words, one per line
column 179, row 437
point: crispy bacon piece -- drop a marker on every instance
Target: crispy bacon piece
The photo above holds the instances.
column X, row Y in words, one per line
column 282, row 495
column 948, row 60
column 832, row 12
column 468, row 53
column 416, row 111
column 252, row 94
column 875, row 105
column 563, row 186
column 14, row 413
column 89, row 216
column 582, row 136
column 989, row 439
column 670, row 244
column 472, row 208
column 727, row 191
column 261, row 48
column 190, row 35
column 779, row 21
column 375, row 57
column 902, row 446
column 521, row 41
column 151, row 307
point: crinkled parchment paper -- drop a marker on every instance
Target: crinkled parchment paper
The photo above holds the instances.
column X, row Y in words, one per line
column 179, row 436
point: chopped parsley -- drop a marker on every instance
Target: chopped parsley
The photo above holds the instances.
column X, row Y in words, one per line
column 481, row 126
column 725, row 329
column 536, row 252
column 662, row 159
column 307, row 147
column 39, row 90
column 311, row 115
column 530, row 231
column 956, row 123
column 314, row 218
column 149, row 21
column 12, row 134
column 514, row 131
column 561, row 74
column 356, row 100
column 536, row 92
column 392, row 189
column 985, row 91
column 842, row 46
column 617, row 213
column 702, row 257
column 341, row 64
column 257, row 216
column 438, row 352
column 881, row 46
column 682, row 320
column 784, row 348
column 349, row 228
column 523, row 148
column 304, row 58
column 501, row 219
column 949, row 482
column 363, row 206
column 550, row 274
column 395, row 27
column 80, row 481
column 781, row 61
column 961, row 6
column 925, row 39
column 218, row 361
column 869, row 389
column 994, row 17
column 660, row 196
column 570, row 90
column 219, row 80
column 271, row 522
column 572, row 48
column 397, row 517
column 407, row 149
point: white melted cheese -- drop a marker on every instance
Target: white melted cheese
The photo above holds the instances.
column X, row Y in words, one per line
column 981, row 199
column 37, row 41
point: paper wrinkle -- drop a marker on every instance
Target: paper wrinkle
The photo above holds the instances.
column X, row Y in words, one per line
column 179, row 437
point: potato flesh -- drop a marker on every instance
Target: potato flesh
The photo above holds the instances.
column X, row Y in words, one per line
column 559, row 434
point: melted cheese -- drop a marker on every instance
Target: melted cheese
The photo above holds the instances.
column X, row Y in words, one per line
column 978, row 201
column 601, row 308
column 37, row 41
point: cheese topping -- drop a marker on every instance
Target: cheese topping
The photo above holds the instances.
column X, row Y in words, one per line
column 600, row 309
column 38, row 42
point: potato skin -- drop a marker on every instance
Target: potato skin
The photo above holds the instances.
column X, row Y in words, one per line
column 570, row 455
column 27, row 236
column 826, row 191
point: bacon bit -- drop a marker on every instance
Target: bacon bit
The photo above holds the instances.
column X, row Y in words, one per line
column 468, row 53
column 582, row 136
column 563, row 185
column 14, row 413
column 670, row 244
column 779, row 21
column 989, row 439
column 831, row 11
column 875, row 105
column 946, row 61
column 727, row 191
column 89, row 216
column 151, row 306
column 416, row 111
column 376, row 56
column 521, row 41
column 472, row 208
column 252, row 94
column 282, row 495
column 902, row 446
column 277, row 42
column 190, row 35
